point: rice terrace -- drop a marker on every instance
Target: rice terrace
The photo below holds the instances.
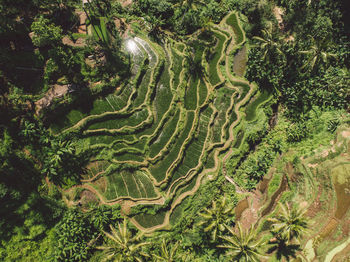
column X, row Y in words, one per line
column 164, row 131
column 174, row 130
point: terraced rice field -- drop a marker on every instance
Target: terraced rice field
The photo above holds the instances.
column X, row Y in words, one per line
column 155, row 139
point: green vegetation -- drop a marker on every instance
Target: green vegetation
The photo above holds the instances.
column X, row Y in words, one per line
column 168, row 130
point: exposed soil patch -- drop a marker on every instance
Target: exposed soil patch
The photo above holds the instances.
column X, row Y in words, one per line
column 327, row 230
column 82, row 22
column 250, row 215
column 126, row 3
column 80, row 42
column 240, row 61
column 345, row 134
column 126, row 207
column 55, row 92
column 263, row 185
column 87, row 197
column 241, row 206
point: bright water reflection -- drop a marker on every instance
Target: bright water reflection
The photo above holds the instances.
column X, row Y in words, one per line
column 131, row 46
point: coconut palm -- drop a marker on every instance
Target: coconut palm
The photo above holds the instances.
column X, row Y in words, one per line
column 290, row 224
column 187, row 5
column 268, row 43
column 244, row 246
column 215, row 218
column 167, row 255
column 317, row 54
column 123, row 246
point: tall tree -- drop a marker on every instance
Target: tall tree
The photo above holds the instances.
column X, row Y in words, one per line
column 268, row 43
column 318, row 54
column 215, row 218
column 45, row 33
column 289, row 224
column 167, row 254
column 244, row 246
column 123, row 246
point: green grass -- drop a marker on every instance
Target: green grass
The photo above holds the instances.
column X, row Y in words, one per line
column 107, row 139
column 274, row 184
column 99, row 29
column 203, row 92
column 176, row 68
column 222, row 103
column 191, row 155
column 133, row 188
column 129, row 157
column 186, row 187
column 178, row 211
column 244, row 89
column 238, row 139
column 164, row 136
column 213, row 74
column 253, row 106
column 147, row 220
column 210, row 163
column 163, row 95
column 158, row 171
column 145, row 184
column 116, row 186
column 233, row 21
column 142, row 89
column 191, row 94
column 118, row 123
column 133, row 184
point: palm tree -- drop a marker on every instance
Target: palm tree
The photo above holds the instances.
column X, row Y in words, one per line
column 317, row 54
column 167, row 255
column 268, row 43
column 187, row 5
column 155, row 28
column 215, row 218
column 207, row 24
column 290, row 224
column 123, row 247
column 244, row 246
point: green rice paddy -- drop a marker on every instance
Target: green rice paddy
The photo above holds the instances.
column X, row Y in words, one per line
column 161, row 130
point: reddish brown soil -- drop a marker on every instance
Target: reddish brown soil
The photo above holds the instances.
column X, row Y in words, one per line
column 327, row 230
column 250, row 215
column 241, row 206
